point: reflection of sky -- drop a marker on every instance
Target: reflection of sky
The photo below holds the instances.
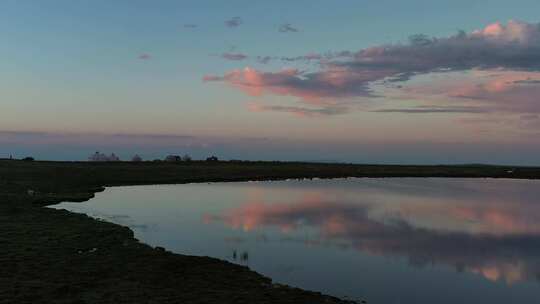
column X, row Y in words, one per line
column 480, row 229
column 481, row 234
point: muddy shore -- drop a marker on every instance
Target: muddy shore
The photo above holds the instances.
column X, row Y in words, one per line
column 54, row 256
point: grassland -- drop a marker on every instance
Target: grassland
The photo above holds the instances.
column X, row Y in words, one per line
column 53, row 256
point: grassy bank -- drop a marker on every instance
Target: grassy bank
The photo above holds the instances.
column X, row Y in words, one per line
column 53, row 256
column 57, row 181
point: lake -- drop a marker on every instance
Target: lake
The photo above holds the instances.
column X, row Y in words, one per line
column 391, row 240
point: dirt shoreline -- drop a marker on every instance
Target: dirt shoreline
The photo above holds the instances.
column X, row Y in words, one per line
column 54, row 256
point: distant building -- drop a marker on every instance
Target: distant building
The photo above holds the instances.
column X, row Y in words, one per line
column 136, row 158
column 178, row 158
column 173, row 158
column 101, row 157
column 113, row 157
column 96, row 157
column 212, row 159
column 186, row 158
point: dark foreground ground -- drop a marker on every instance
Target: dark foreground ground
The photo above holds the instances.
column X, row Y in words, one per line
column 53, row 256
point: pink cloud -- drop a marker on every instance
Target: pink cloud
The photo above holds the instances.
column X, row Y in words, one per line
column 504, row 60
column 349, row 74
column 310, row 87
column 513, row 31
column 496, row 91
column 497, row 96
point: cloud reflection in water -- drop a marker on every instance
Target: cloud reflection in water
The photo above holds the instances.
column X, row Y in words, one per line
column 496, row 236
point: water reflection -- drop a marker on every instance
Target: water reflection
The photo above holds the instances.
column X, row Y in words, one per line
column 499, row 240
column 473, row 240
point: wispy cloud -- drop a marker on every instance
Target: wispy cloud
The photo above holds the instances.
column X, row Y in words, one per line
column 234, row 56
column 299, row 111
column 287, row 28
column 527, row 81
column 307, row 57
column 145, row 56
column 264, row 59
column 234, row 22
column 503, row 91
column 190, row 25
column 49, row 138
column 317, row 58
column 434, row 109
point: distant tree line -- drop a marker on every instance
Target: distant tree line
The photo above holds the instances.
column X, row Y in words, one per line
column 27, row 158
column 102, row 157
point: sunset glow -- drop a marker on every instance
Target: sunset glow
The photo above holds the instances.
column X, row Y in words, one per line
column 340, row 81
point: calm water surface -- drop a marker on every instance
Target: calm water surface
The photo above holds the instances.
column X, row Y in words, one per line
column 394, row 240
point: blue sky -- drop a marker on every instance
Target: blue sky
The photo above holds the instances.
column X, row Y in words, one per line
column 77, row 69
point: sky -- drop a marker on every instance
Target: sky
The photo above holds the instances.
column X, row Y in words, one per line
column 351, row 81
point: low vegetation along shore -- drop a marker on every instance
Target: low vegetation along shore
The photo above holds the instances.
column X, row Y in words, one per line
column 54, row 256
